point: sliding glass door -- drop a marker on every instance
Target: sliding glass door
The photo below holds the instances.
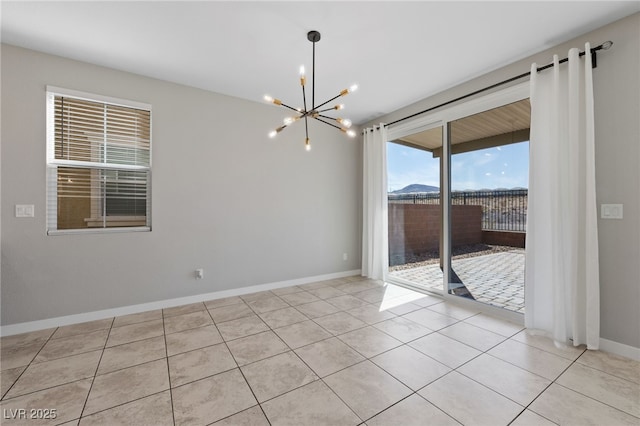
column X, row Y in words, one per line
column 415, row 209
column 457, row 200
column 489, row 154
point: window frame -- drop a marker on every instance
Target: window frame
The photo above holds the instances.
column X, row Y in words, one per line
column 52, row 164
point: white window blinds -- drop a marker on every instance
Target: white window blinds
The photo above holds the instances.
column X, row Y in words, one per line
column 98, row 162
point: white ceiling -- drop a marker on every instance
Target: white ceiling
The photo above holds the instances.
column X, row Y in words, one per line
column 398, row 52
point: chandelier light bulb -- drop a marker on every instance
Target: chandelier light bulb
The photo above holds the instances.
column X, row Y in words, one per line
column 351, row 89
column 351, row 133
column 290, row 120
column 345, row 122
column 339, row 107
column 307, row 145
column 272, row 100
column 303, row 79
column 272, row 134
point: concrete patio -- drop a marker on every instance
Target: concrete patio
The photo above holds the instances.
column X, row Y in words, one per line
column 496, row 279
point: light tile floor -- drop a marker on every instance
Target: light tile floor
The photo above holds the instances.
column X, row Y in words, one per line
column 339, row 352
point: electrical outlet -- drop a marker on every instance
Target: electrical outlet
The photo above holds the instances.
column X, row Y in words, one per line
column 199, row 274
column 24, row 210
column 611, row 211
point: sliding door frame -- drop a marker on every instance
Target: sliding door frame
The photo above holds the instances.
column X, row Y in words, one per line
column 444, row 118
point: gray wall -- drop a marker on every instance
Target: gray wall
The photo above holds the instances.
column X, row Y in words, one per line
column 247, row 209
column 617, row 115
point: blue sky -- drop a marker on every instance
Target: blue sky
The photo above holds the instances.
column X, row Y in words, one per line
column 499, row 167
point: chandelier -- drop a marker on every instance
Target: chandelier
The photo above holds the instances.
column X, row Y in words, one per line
column 316, row 112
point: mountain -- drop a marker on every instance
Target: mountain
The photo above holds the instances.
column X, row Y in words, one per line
column 416, row 187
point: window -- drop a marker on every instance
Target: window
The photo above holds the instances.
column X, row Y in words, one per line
column 98, row 163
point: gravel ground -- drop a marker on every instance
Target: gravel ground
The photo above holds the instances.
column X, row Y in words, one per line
column 460, row 252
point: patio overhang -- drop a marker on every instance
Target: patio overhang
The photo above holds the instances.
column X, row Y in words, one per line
column 500, row 126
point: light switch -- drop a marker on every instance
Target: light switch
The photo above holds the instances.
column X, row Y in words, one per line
column 611, row 211
column 24, row 210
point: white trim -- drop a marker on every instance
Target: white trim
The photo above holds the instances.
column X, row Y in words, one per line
column 98, row 230
column 98, row 98
column 25, row 327
column 620, row 349
column 493, row 100
column 97, row 165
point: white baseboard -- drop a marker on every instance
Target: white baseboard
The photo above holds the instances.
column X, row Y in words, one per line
column 620, row 349
column 25, row 327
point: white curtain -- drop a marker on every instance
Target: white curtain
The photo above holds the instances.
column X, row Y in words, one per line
column 375, row 233
column 562, row 291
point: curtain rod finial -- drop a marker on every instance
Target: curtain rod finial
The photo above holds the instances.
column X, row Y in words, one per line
column 607, row 45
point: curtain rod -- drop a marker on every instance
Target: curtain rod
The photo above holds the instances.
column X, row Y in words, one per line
column 594, row 63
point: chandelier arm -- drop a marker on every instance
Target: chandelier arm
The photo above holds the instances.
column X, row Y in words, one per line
column 326, row 116
column 327, row 109
column 330, row 100
column 330, row 124
column 290, row 107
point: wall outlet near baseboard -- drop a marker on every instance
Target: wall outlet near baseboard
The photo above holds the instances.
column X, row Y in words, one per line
column 199, row 274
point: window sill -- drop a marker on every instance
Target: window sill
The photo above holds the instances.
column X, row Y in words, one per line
column 116, row 221
column 111, row 230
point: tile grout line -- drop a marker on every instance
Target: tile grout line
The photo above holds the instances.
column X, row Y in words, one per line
column 545, row 389
column 166, row 352
column 593, row 399
column 26, row 366
column 486, row 352
column 93, row 379
column 363, row 421
column 603, row 371
column 320, row 379
column 241, row 372
column 575, row 361
column 309, row 367
column 85, row 351
column 451, row 369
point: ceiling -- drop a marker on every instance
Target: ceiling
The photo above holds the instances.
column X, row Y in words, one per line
column 397, row 52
